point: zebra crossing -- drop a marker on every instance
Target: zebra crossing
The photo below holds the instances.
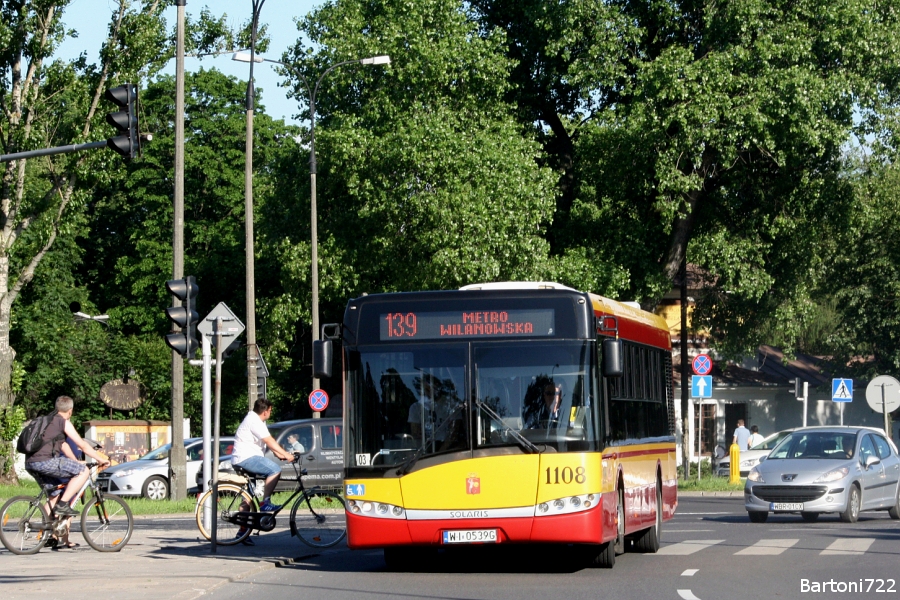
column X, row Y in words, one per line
column 851, row 546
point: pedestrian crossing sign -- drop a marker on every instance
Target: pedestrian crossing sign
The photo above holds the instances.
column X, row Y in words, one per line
column 842, row 390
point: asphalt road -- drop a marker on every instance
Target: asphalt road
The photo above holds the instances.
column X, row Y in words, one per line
column 710, row 550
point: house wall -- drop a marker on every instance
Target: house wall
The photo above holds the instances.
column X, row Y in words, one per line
column 775, row 408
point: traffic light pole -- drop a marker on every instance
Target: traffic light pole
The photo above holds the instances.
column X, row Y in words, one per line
column 178, row 456
column 4, row 158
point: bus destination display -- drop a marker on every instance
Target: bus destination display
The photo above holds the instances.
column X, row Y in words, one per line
column 399, row 326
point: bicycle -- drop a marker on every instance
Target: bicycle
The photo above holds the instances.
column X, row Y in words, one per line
column 316, row 526
column 26, row 524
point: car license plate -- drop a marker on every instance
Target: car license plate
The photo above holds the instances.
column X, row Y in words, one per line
column 470, row 536
column 786, row 506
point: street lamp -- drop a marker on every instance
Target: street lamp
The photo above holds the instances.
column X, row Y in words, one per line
column 249, row 258
column 80, row 316
column 311, row 92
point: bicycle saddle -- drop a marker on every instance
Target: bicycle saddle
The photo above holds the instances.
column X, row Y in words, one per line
column 244, row 472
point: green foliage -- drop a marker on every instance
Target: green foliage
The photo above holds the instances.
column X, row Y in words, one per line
column 865, row 275
column 711, row 130
column 424, row 181
column 11, row 420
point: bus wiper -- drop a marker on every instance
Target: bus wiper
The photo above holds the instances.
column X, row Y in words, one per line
column 408, row 464
column 522, row 441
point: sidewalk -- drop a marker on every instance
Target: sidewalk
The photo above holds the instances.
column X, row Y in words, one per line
column 157, row 563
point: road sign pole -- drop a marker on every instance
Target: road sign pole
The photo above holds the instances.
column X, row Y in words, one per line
column 884, row 411
column 699, row 436
column 207, row 401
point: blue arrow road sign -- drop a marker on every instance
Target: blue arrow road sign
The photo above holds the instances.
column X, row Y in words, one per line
column 842, row 390
column 701, row 386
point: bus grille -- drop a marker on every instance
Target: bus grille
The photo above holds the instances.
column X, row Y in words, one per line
column 789, row 493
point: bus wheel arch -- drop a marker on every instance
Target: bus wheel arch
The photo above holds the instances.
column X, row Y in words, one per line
column 620, row 516
column 648, row 539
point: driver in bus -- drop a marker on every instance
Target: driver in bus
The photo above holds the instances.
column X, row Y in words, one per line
column 543, row 412
column 434, row 406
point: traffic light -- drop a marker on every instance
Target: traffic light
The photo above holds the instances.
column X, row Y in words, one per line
column 125, row 121
column 801, row 388
column 185, row 342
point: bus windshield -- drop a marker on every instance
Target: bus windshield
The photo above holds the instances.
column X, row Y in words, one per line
column 412, row 402
column 541, row 391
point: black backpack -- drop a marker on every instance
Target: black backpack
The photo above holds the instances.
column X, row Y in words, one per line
column 32, row 437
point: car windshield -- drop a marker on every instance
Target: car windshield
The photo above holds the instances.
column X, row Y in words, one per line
column 815, row 445
column 159, row 454
column 771, row 441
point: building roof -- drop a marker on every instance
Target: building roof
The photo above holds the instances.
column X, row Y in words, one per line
column 771, row 369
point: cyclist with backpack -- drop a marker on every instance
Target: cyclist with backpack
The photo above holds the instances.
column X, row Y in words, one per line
column 48, row 462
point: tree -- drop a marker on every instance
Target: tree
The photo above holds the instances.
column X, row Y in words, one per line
column 683, row 127
column 865, row 273
column 424, row 179
column 47, row 103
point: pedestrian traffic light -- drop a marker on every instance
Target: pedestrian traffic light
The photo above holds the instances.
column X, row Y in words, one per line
column 184, row 342
column 125, row 121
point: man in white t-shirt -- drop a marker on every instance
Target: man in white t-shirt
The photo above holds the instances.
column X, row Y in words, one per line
column 250, row 442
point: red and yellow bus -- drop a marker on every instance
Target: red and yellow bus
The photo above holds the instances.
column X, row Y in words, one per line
column 505, row 413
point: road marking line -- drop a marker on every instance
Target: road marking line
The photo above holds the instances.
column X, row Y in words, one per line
column 686, row 530
column 682, row 514
column 686, row 547
column 851, row 546
column 687, row 595
column 768, row 547
column 689, row 572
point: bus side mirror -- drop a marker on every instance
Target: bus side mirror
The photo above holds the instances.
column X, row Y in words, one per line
column 322, row 355
column 612, row 358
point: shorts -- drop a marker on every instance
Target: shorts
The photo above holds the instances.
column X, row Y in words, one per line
column 56, row 471
column 259, row 465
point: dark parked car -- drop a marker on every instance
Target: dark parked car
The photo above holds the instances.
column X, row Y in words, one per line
column 323, row 451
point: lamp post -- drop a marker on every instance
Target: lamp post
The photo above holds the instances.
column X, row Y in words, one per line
column 249, row 258
column 311, row 92
column 80, row 316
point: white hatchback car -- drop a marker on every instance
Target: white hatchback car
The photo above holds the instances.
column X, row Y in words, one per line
column 148, row 476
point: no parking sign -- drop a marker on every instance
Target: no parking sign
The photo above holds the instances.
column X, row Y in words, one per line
column 318, row 400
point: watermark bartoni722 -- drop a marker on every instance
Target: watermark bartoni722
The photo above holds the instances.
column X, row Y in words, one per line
column 848, row 587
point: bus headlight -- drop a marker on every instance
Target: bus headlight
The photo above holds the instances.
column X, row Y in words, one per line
column 571, row 504
column 376, row 509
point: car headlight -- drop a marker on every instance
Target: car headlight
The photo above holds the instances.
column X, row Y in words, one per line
column 749, row 463
column 833, row 475
column 755, row 476
column 126, row 472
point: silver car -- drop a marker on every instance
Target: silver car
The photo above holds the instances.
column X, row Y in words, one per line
column 148, row 476
column 816, row 470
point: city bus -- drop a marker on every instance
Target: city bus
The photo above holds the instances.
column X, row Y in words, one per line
column 504, row 413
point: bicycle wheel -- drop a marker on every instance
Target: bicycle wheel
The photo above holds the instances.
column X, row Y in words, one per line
column 319, row 519
column 24, row 525
column 229, row 501
column 106, row 523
